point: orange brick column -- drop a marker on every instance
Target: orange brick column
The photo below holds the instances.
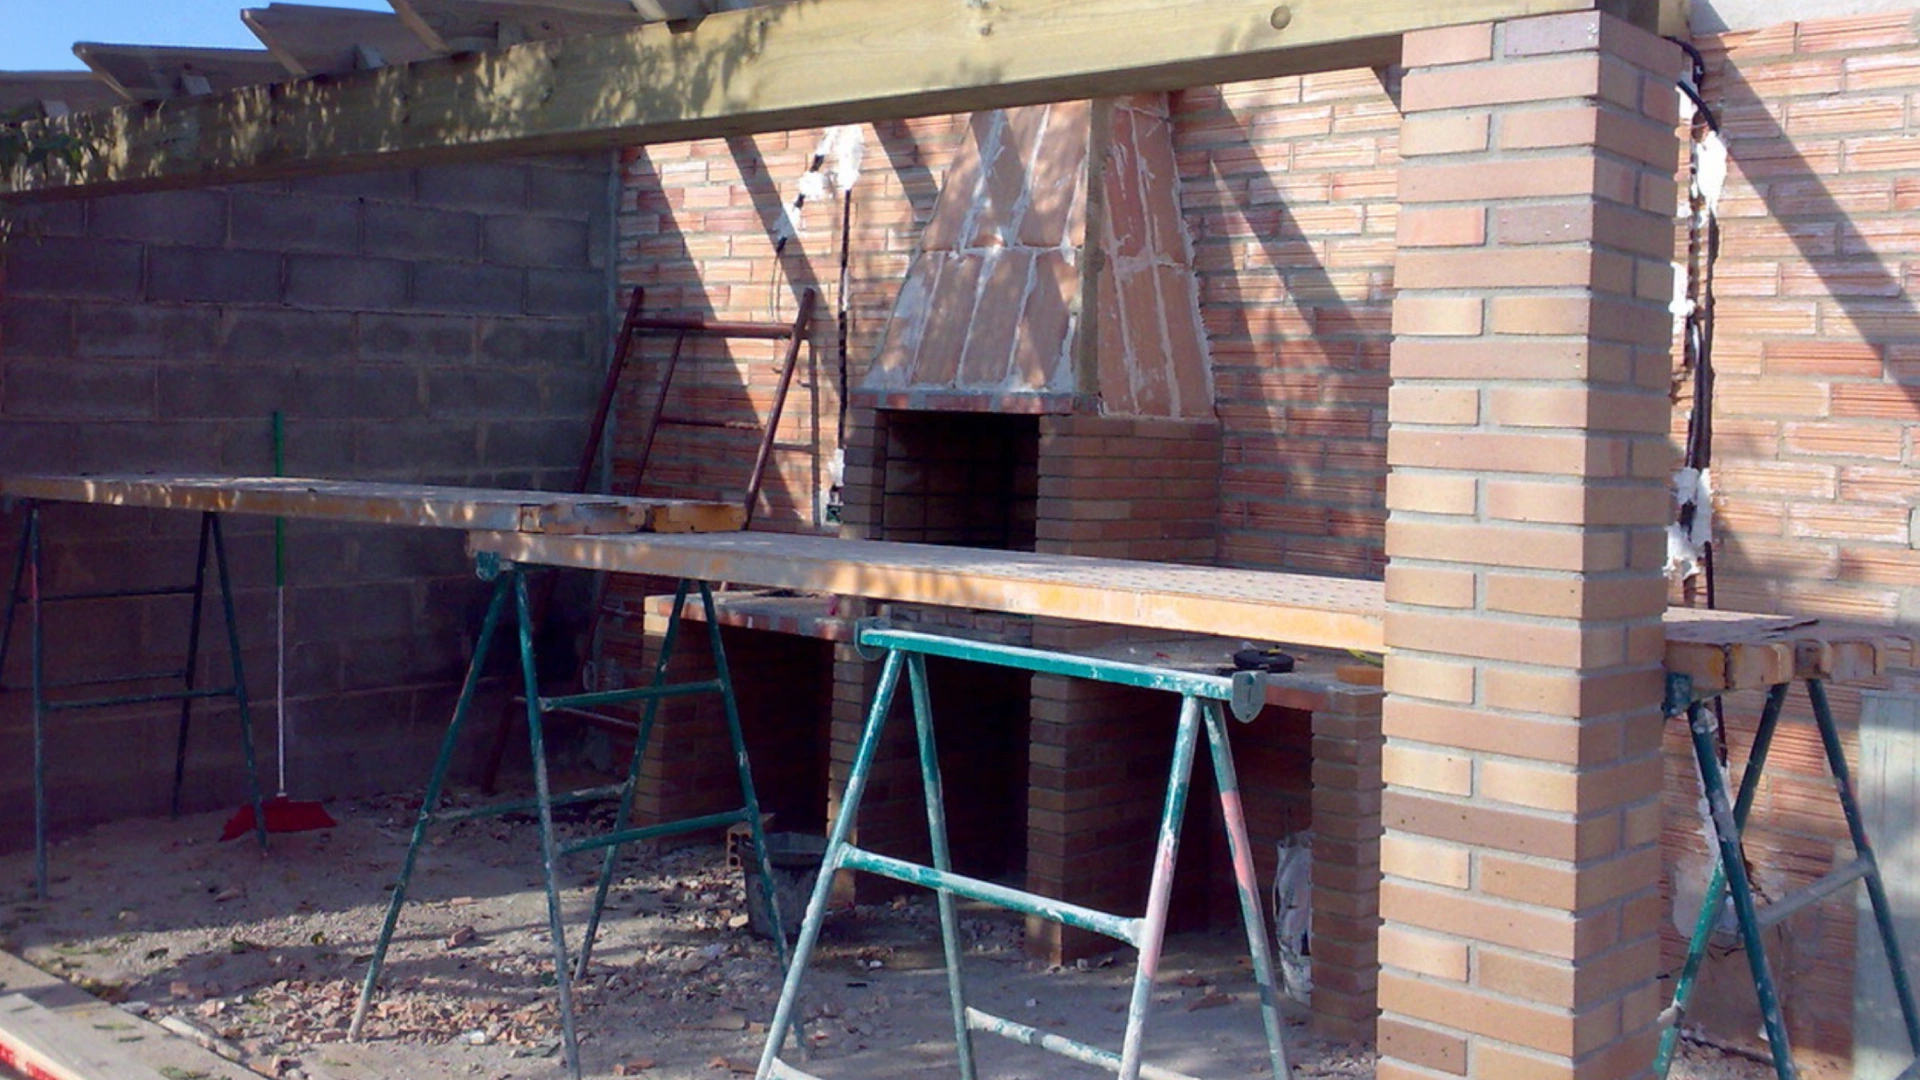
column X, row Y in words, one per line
column 1520, row 903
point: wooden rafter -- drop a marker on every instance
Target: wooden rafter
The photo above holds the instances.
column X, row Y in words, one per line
column 449, row 26
column 147, row 73
column 777, row 67
column 663, row 10
column 53, row 93
column 309, row 40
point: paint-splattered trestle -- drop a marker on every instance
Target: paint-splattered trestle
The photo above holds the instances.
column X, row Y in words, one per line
column 1201, row 705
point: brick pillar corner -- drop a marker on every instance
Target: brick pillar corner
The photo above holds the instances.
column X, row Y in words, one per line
column 1346, row 863
column 1520, row 899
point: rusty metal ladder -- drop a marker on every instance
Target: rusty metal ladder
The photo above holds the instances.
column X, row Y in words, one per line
column 682, row 328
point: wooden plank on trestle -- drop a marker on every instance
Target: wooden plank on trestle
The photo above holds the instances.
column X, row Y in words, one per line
column 1732, row 650
column 310, row 40
column 772, row 68
column 1337, row 613
column 371, row 502
column 43, row 1045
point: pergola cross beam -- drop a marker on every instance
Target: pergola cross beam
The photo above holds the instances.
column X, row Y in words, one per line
column 777, row 67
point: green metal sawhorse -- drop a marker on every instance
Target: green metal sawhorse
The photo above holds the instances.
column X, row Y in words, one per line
column 509, row 580
column 28, row 575
column 1201, row 704
column 1730, row 871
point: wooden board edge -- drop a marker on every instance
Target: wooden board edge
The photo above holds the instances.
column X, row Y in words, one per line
column 1159, row 610
column 44, row 1045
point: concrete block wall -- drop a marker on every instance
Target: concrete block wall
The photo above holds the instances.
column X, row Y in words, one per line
column 443, row 325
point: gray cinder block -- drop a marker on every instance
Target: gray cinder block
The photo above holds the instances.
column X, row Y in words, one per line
column 325, row 281
column 213, row 275
column 68, row 266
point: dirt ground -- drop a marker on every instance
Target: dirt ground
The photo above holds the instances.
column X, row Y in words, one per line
column 263, row 957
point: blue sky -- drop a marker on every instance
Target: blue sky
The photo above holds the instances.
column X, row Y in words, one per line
column 40, row 33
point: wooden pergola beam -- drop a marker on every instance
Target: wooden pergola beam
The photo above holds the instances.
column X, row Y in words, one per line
column 779, row 67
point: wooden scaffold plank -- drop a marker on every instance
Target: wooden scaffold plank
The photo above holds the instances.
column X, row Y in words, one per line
column 377, row 503
column 1336, row 613
column 1733, row 650
column 44, row 1045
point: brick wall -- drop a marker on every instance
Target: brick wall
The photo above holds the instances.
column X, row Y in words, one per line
column 1289, row 187
column 1347, row 745
column 1129, row 488
column 440, row 325
column 1105, row 486
column 698, row 225
column 958, row 478
column 1112, row 487
column 1814, row 417
column 697, row 228
column 782, row 685
column 1099, row 777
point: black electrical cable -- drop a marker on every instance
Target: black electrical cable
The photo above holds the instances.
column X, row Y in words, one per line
column 845, row 306
column 1697, row 342
column 1697, row 339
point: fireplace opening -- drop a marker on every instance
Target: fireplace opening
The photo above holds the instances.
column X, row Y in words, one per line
column 964, row 479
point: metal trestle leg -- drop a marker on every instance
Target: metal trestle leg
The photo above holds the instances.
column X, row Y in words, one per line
column 51, row 697
column 1730, row 876
column 510, row 587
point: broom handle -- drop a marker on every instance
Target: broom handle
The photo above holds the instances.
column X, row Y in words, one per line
column 280, row 606
column 280, row 682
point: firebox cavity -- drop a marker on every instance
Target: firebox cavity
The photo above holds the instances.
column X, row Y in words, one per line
column 966, row 479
